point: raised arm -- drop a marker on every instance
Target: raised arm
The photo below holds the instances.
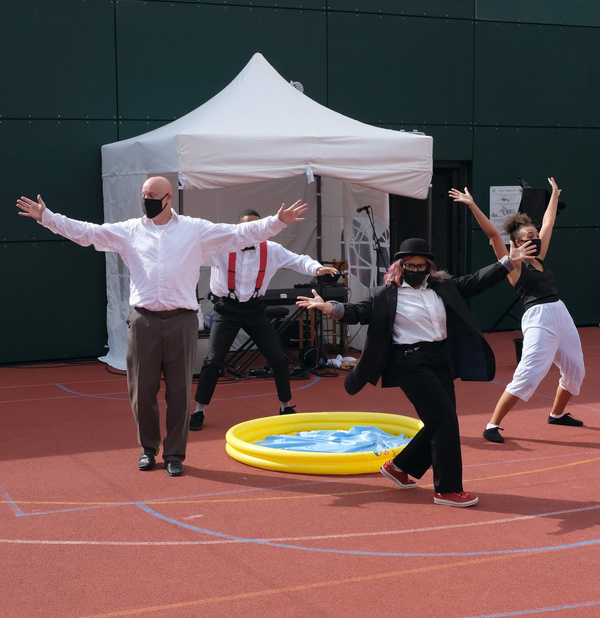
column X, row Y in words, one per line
column 484, row 223
column 549, row 218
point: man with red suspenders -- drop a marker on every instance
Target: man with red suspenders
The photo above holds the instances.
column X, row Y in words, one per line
column 238, row 280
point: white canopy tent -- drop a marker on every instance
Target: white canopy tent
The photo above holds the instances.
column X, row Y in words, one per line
column 260, row 128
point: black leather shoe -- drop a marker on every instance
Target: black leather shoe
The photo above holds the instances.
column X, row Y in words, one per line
column 146, row 462
column 288, row 410
column 196, row 421
column 493, row 434
column 174, row 468
column 565, row 419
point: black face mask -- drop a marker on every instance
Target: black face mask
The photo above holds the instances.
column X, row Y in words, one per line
column 537, row 243
column 414, row 278
column 153, row 207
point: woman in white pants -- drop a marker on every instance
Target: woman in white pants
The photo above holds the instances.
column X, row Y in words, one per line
column 549, row 333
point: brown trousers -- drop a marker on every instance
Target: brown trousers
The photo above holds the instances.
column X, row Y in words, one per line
column 161, row 343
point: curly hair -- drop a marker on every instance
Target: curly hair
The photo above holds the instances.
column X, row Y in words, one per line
column 394, row 274
column 514, row 223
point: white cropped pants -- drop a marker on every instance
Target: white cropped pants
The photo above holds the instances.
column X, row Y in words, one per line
column 549, row 336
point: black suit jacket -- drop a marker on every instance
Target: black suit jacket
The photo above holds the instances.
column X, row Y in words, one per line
column 470, row 356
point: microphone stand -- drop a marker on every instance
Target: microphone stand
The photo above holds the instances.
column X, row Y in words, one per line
column 379, row 258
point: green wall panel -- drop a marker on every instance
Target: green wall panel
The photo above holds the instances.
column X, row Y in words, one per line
column 574, row 12
column 381, row 71
column 57, row 303
column 201, row 48
column 529, row 75
column 503, row 155
column 421, row 8
column 60, row 160
column 58, row 59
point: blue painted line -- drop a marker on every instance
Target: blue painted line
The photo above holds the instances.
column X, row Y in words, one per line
column 269, row 394
column 540, row 610
column 154, row 513
column 90, row 507
column 11, row 503
column 68, row 390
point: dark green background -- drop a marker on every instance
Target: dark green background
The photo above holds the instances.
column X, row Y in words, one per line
column 510, row 87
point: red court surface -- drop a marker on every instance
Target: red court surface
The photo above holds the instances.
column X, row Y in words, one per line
column 85, row 534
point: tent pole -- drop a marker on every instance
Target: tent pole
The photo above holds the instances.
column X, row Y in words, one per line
column 319, row 231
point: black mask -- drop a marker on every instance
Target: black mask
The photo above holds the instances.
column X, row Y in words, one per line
column 414, row 278
column 153, row 207
column 537, row 243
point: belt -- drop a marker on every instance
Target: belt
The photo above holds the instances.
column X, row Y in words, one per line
column 236, row 301
column 409, row 348
column 165, row 313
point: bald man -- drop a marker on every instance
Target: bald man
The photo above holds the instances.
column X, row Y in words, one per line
column 164, row 252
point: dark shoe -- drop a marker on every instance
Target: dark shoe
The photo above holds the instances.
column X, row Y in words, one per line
column 398, row 476
column 146, row 462
column 196, row 421
column 288, row 410
column 460, row 498
column 174, row 468
column 565, row 419
column 493, row 434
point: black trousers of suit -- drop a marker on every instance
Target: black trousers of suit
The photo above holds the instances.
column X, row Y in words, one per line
column 424, row 376
column 229, row 317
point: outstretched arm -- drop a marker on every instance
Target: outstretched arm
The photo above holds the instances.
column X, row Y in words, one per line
column 484, row 223
column 549, row 218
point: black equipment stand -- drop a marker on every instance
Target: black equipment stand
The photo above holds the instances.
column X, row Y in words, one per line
column 379, row 258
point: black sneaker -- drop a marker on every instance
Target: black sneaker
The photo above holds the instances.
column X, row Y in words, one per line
column 288, row 410
column 565, row 419
column 196, row 421
column 493, row 434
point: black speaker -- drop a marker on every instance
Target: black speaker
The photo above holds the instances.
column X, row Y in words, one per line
column 534, row 203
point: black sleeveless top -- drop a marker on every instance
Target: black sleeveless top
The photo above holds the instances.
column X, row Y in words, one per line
column 535, row 287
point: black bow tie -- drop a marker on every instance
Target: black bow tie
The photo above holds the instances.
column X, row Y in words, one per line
column 248, row 248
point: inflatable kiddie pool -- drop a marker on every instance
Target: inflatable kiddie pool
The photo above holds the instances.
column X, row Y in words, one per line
column 241, row 439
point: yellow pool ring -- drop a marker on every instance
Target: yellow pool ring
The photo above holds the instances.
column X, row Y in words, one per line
column 241, row 438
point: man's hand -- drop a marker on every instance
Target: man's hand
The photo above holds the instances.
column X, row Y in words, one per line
column 30, row 208
column 292, row 214
column 327, row 270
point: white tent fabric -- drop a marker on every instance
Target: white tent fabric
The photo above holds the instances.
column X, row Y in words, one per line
column 258, row 128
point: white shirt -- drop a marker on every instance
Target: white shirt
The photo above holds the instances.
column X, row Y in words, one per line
column 420, row 315
column 247, row 267
column 164, row 260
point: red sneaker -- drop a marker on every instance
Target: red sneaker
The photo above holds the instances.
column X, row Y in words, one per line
column 398, row 476
column 459, row 498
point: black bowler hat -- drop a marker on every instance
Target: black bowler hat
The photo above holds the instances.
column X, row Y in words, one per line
column 414, row 246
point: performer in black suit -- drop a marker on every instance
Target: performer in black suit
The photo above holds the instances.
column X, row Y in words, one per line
column 421, row 337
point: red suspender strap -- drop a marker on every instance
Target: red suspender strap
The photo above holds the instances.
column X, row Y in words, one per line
column 262, row 267
column 231, row 274
column 261, row 271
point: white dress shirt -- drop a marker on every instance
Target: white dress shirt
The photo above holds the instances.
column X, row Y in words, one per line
column 247, row 267
column 164, row 260
column 420, row 315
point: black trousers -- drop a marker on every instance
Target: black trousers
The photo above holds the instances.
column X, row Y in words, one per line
column 424, row 376
column 229, row 317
